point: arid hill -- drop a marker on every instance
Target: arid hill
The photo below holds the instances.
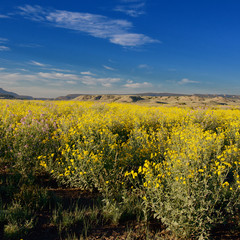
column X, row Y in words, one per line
column 11, row 95
column 184, row 100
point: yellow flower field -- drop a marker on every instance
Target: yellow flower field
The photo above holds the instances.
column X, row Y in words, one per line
column 183, row 163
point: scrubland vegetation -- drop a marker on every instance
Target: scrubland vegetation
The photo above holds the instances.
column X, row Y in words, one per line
column 176, row 167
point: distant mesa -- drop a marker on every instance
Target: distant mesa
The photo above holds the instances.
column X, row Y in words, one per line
column 115, row 97
column 161, row 98
column 68, row 97
column 3, row 92
column 157, row 99
column 109, row 98
column 11, row 95
column 168, row 99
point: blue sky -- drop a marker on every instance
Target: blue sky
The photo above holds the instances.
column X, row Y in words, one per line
column 52, row 48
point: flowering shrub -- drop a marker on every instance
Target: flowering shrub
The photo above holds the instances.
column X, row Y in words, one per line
column 197, row 183
column 182, row 163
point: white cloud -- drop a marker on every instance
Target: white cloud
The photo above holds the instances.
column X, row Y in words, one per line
column 109, row 68
column 108, row 85
column 131, row 39
column 2, row 40
column 133, row 10
column 58, row 76
column 34, row 13
column 4, row 48
column 4, row 16
column 106, row 82
column 15, row 78
column 59, row 70
column 130, row 84
column 22, row 69
column 71, row 82
column 29, row 45
column 143, row 66
column 88, row 73
column 54, row 79
column 2, row 69
column 186, row 81
column 88, row 80
column 38, row 64
column 131, row 1
column 109, row 80
column 115, row 30
column 48, row 67
column 40, row 91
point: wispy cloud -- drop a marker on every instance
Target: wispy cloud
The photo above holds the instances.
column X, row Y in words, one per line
column 38, row 64
column 29, row 45
column 186, row 81
column 131, row 39
column 3, row 40
column 4, row 16
column 2, row 69
column 88, row 73
column 59, row 70
column 71, row 82
column 131, row 1
column 105, row 82
column 58, row 76
column 133, row 10
column 48, row 67
column 143, row 66
column 54, row 79
column 131, row 84
column 117, row 31
column 109, row 68
column 4, row 48
column 15, row 78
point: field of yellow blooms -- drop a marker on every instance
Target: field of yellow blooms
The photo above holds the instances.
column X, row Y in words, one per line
column 182, row 164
